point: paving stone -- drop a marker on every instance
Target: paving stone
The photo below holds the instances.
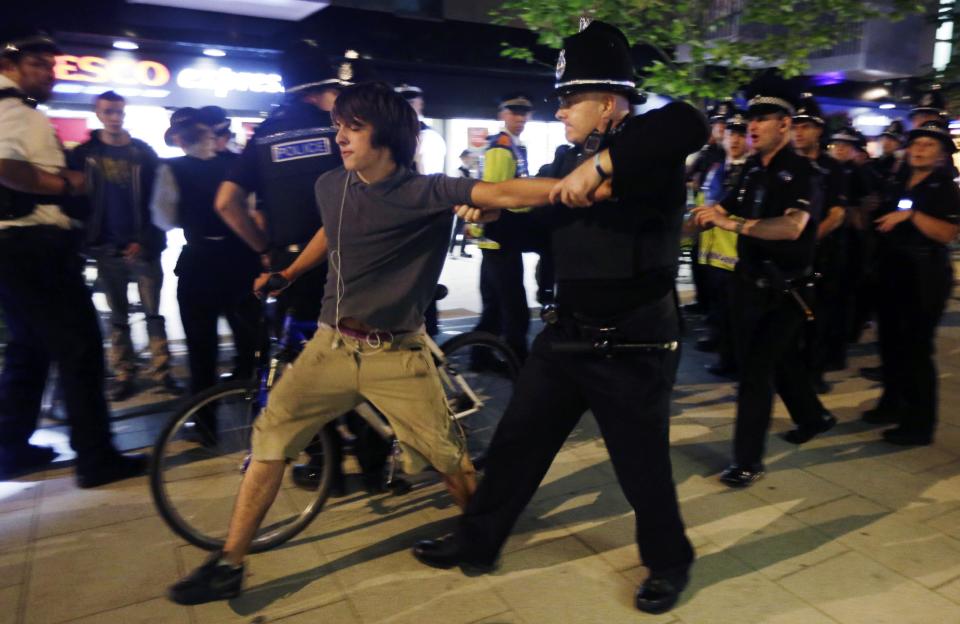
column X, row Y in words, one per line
column 564, row 582
column 951, row 590
column 20, row 493
column 15, row 529
column 853, row 589
column 337, row 613
column 65, row 508
column 9, row 604
column 793, row 489
column 157, row 611
column 94, row 570
column 395, row 587
column 723, row 589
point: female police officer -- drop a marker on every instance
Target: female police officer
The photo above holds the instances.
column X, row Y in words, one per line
column 921, row 213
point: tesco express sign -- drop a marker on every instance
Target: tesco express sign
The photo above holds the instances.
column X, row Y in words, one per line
column 132, row 72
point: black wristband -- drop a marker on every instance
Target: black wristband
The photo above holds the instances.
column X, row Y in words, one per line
column 596, row 164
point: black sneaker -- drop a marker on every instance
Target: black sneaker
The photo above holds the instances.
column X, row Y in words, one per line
column 213, row 580
column 903, row 436
column 737, row 476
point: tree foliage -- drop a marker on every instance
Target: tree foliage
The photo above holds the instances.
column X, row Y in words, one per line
column 707, row 48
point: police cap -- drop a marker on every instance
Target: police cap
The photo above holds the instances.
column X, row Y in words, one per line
column 518, row 103
column 808, row 110
column 770, row 93
column 309, row 67
column 931, row 102
column 895, row 131
column 850, row 136
column 22, row 41
column 597, row 59
column 720, row 111
column 937, row 129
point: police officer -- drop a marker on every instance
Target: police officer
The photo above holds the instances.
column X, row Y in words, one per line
column 862, row 185
column 919, row 217
column 778, row 201
column 707, row 159
column 215, row 118
column 45, row 301
column 826, row 338
column 281, row 163
column 892, row 139
column 718, row 248
column 930, row 106
column 613, row 347
column 503, row 297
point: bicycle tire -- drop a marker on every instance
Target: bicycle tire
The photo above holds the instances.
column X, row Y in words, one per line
column 181, row 510
column 491, row 375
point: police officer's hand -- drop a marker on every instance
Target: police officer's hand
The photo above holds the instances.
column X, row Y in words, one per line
column 278, row 284
column 892, row 219
column 132, row 252
column 577, row 189
column 712, row 216
column 475, row 215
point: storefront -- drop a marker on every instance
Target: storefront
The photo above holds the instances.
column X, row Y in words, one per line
column 157, row 83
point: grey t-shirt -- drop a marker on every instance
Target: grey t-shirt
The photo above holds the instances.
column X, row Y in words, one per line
column 391, row 246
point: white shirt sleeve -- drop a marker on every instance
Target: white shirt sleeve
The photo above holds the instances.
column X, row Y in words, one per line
column 14, row 131
column 431, row 152
column 164, row 205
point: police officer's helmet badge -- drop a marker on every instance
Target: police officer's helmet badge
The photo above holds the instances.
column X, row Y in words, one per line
column 561, row 64
column 345, row 72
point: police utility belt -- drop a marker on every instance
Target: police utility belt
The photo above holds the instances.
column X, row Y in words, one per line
column 791, row 285
column 598, row 338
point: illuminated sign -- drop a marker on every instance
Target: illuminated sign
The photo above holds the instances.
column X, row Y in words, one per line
column 90, row 74
column 223, row 80
column 119, row 71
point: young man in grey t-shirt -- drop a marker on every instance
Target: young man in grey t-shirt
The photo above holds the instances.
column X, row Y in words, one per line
column 385, row 234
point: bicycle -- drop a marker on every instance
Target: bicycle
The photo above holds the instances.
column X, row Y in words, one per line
column 194, row 478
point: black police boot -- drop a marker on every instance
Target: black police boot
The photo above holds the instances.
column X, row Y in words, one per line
column 448, row 551
column 805, row 433
column 115, row 468
column 214, row 580
column 881, row 415
column 21, row 460
column 660, row 592
column 902, row 436
column 737, row 476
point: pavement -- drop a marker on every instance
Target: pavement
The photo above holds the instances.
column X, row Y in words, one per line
column 843, row 529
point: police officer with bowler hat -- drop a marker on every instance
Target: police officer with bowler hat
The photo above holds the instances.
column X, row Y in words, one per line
column 45, row 301
column 613, row 346
column 919, row 217
column 779, row 201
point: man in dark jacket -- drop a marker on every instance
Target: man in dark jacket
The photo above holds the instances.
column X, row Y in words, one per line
column 123, row 240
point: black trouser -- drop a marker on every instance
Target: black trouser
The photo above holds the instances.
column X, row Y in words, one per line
column 216, row 280
column 768, row 325
column 914, row 288
column 861, row 279
column 505, row 312
column 630, row 399
column 698, row 272
column 719, row 321
column 826, row 337
column 50, row 317
column 458, row 224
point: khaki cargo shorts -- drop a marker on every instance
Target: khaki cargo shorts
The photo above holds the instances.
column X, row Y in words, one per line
column 336, row 373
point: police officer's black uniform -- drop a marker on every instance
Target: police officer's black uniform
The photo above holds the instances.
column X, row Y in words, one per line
column 826, row 336
column 916, row 277
column 215, row 271
column 281, row 164
column 616, row 263
column 50, row 317
column 771, row 298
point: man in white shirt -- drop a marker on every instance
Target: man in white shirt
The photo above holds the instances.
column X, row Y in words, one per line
column 432, row 149
column 45, row 301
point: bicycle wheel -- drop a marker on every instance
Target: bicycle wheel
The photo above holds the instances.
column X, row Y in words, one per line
column 478, row 376
column 199, row 461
